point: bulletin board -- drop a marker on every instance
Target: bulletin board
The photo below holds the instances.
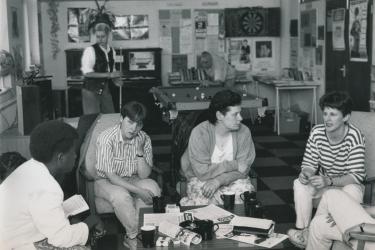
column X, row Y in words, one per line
column 185, row 33
column 209, row 31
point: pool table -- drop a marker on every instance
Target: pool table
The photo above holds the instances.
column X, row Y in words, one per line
column 184, row 98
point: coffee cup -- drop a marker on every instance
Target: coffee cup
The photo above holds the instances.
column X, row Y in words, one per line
column 206, row 228
column 158, row 204
column 250, row 206
column 247, row 195
column 228, row 200
column 147, row 236
column 259, row 210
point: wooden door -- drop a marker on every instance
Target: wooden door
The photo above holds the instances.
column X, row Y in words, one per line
column 342, row 73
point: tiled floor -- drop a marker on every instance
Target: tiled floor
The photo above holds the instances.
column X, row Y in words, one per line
column 277, row 165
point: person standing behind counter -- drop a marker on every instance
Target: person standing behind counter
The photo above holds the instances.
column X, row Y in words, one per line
column 217, row 70
column 98, row 63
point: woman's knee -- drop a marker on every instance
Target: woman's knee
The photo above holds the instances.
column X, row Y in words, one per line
column 355, row 191
column 298, row 187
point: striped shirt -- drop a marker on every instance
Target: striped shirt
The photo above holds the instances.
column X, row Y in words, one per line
column 344, row 158
column 115, row 155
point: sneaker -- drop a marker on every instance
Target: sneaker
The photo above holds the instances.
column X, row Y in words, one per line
column 298, row 237
column 130, row 243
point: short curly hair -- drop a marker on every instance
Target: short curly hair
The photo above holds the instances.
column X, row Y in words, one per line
column 51, row 137
column 221, row 101
column 337, row 100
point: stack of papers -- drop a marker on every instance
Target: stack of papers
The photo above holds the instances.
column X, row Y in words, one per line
column 214, row 213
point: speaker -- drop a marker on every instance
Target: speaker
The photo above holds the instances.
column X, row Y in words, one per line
column 45, row 93
column 28, row 108
column 252, row 22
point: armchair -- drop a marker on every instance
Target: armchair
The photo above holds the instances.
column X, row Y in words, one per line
column 365, row 121
column 86, row 171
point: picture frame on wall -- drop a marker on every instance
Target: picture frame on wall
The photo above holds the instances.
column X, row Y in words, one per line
column 131, row 27
column 264, row 60
column 78, row 31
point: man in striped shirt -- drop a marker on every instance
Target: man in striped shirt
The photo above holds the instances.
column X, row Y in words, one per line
column 124, row 162
column 334, row 159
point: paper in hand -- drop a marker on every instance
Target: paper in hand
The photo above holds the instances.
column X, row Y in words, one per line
column 74, row 205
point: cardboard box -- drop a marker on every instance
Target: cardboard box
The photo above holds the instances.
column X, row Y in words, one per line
column 289, row 123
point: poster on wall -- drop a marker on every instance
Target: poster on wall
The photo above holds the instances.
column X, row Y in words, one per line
column 239, row 53
column 264, row 56
column 78, row 25
column 293, row 52
column 15, row 22
column 308, row 28
column 201, row 25
column 319, row 55
column 357, row 30
column 131, row 27
column 338, row 28
column 17, row 53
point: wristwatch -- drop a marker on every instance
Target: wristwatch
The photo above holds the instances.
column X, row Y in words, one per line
column 140, row 156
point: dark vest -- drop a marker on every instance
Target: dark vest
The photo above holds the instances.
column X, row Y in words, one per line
column 101, row 65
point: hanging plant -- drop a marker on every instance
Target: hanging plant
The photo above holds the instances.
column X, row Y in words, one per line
column 101, row 15
column 55, row 27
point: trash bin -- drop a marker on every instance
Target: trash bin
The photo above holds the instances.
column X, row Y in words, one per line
column 289, row 122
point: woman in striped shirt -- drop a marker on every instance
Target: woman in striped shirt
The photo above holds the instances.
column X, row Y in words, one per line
column 334, row 159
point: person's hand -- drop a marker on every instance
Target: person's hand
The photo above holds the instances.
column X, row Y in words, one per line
column 141, row 143
column 93, row 220
column 145, row 195
column 118, row 82
column 210, row 187
column 319, row 181
column 330, row 220
column 304, row 177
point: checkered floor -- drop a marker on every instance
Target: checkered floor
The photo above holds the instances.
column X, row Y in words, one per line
column 277, row 164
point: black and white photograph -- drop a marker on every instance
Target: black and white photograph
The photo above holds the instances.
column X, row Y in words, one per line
column 175, row 124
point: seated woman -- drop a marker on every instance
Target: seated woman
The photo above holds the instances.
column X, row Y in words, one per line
column 220, row 153
column 334, row 158
column 337, row 215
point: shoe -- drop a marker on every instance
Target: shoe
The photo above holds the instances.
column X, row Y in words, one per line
column 130, row 243
column 298, row 237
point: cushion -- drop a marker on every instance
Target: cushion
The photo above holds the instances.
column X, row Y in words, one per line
column 365, row 121
column 102, row 123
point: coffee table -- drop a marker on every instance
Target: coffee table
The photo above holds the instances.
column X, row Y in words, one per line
column 215, row 243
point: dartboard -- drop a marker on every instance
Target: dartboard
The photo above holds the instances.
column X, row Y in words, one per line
column 252, row 22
